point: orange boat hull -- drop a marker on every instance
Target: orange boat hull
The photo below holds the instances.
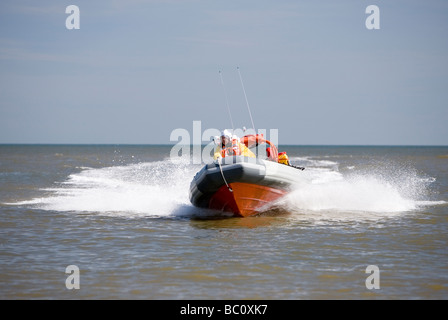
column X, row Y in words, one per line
column 245, row 199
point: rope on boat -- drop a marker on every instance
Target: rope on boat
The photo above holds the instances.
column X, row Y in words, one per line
column 222, row 174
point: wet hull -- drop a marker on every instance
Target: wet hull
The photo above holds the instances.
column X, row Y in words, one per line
column 244, row 186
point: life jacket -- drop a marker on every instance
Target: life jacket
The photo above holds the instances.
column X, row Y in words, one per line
column 283, row 158
column 234, row 150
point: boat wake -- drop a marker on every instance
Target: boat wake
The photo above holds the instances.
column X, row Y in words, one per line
column 145, row 189
column 161, row 189
column 374, row 191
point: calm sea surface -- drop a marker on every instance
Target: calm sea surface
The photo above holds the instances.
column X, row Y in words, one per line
column 121, row 214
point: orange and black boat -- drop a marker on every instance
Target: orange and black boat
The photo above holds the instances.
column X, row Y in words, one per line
column 245, row 186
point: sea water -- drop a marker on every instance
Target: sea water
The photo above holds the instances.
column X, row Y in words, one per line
column 121, row 214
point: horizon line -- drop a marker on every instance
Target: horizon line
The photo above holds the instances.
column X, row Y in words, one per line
column 173, row 144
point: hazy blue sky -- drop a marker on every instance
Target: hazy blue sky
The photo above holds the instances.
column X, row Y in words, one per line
column 138, row 69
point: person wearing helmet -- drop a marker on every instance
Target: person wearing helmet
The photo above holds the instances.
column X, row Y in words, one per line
column 223, row 142
column 230, row 145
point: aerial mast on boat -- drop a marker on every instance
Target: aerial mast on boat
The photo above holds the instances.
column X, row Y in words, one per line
column 245, row 96
column 227, row 101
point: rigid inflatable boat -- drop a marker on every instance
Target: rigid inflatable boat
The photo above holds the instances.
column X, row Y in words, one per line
column 242, row 185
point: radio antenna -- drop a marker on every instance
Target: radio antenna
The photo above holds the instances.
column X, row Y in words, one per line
column 227, row 101
column 245, row 96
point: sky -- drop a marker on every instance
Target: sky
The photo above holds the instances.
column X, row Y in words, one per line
column 136, row 70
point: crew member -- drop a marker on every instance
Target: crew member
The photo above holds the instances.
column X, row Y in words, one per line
column 230, row 145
